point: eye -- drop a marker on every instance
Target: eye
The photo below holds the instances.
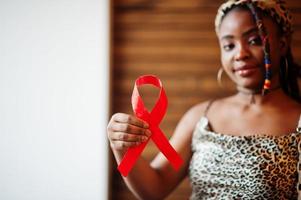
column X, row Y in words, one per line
column 255, row 41
column 228, row 47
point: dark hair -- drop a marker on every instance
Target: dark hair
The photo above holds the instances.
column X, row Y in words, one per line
column 289, row 73
column 289, row 70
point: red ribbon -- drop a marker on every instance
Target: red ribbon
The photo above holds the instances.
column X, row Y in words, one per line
column 153, row 118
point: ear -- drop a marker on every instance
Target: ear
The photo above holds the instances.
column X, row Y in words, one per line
column 284, row 45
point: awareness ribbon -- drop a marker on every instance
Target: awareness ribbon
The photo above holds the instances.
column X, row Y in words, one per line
column 153, row 118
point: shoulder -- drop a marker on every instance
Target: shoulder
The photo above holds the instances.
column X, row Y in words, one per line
column 194, row 114
column 190, row 119
column 213, row 105
column 198, row 110
column 182, row 136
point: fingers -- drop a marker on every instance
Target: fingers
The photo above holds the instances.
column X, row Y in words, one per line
column 125, row 118
column 121, row 145
column 122, row 136
column 126, row 131
column 128, row 128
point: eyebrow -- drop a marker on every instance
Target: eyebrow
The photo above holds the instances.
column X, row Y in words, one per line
column 248, row 32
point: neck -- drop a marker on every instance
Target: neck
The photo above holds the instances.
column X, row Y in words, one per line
column 254, row 96
column 247, row 91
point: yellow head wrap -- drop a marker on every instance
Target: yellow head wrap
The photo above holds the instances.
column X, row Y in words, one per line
column 276, row 8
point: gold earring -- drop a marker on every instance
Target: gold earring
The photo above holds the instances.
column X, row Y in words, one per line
column 219, row 76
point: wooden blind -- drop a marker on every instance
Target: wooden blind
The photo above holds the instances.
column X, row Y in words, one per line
column 174, row 40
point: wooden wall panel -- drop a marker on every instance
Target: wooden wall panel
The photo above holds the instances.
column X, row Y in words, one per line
column 175, row 40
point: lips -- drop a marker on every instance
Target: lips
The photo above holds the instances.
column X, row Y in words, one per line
column 246, row 70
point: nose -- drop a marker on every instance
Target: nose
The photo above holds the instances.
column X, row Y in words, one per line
column 242, row 53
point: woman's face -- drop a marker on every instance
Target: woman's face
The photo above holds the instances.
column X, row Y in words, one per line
column 242, row 51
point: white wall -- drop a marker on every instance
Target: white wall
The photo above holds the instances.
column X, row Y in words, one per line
column 53, row 99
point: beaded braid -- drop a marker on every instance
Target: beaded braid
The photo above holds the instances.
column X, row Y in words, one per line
column 266, row 49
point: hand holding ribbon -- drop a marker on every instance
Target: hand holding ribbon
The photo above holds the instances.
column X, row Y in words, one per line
column 153, row 118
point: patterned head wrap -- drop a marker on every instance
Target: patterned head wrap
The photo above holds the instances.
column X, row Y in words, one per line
column 276, row 8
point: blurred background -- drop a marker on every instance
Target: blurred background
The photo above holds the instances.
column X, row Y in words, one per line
column 175, row 40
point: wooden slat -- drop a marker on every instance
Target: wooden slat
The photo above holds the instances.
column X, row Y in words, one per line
column 175, row 40
column 166, row 69
column 292, row 4
column 199, row 17
column 167, row 4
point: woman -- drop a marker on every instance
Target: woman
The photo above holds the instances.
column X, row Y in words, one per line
column 240, row 147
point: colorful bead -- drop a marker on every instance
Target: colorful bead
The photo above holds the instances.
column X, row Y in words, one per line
column 268, row 66
column 267, row 84
column 267, row 61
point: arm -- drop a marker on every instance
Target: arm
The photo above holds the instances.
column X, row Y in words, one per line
column 157, row 179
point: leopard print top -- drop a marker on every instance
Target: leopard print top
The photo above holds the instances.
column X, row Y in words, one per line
column 243, row 167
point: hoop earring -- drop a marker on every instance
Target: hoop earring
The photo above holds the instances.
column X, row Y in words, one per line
column 219, row 76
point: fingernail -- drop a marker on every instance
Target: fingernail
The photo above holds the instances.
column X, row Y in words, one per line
column 146, row 125
column 144, row 138
column 148, row 132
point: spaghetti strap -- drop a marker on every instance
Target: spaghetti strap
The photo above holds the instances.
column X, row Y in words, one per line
column 207, row 107
column 299, row 125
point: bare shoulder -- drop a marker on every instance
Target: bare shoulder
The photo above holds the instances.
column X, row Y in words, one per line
column 219, row 104
column 195, row 113
column 190, row 118
column 291, row 112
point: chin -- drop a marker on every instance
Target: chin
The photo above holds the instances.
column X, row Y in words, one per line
column 251, row 85
column 251, row 82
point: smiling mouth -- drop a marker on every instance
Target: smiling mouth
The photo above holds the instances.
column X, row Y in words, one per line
column 246, row 71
